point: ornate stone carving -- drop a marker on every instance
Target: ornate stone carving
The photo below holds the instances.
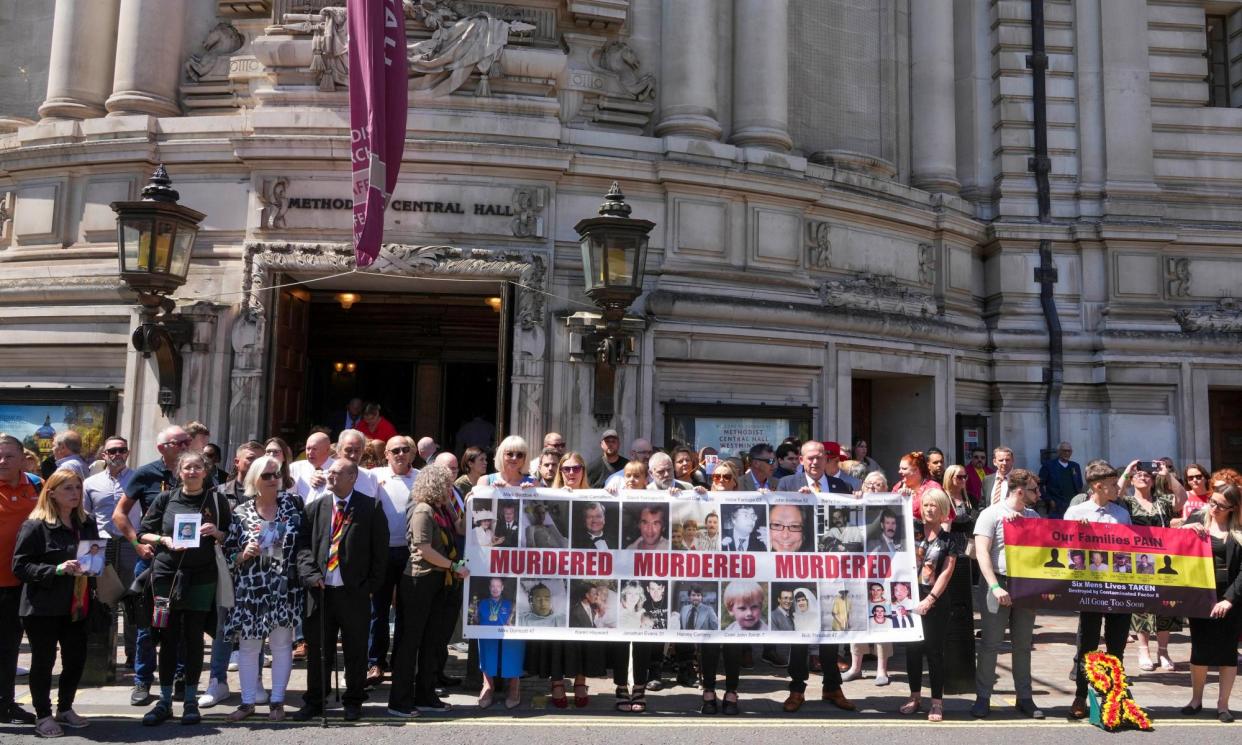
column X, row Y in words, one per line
column 927, row 263
column 6, row 218
column 606, row 85
column 1224, row 317
column 876, row 293
column 620, row 59
column 272, row 195
column 221, row 41
column 818, row 244
column 1177, row 276
column 460, row 45
column 528, row 203
column 329, row 44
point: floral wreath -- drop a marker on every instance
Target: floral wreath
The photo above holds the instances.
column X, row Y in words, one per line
column 1117, row 706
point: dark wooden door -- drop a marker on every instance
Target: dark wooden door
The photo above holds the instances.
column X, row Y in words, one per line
column 860, row 419
column 1226, row 418
column 288, row 393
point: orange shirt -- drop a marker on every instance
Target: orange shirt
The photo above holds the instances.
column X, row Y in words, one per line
column 16, row 504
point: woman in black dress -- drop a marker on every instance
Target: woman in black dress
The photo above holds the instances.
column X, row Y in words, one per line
column 1214, row 640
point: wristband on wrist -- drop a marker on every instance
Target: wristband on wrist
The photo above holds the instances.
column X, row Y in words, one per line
column 135, row 543
column 994, row 586
column 59, row 570
column 933, row 596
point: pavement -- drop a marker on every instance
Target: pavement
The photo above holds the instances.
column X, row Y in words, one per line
column 673, row 712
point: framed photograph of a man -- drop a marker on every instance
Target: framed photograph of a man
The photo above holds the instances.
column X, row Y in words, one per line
column 644, row 526
column 543, row 602
column 695, row 605
column 596, row 525
column 545, row 523
column 842, row 529
column 744, row 527
column 884, row 530
column 90, row 556
column 185, row 530
column 593, row 604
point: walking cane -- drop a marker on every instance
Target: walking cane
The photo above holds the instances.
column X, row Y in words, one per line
column 323, row 653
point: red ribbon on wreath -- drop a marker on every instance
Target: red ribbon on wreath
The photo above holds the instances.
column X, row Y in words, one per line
column 1118, row 708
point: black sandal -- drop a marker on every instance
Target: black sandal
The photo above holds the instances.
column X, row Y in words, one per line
column 623, row 699
column 638, row 701
column 710, row 706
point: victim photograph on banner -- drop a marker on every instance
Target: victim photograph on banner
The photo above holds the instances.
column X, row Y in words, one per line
column 1109, row 568
column 719, row 567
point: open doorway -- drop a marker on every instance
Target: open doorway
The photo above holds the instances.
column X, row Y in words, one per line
column 432, row 361
column 895, row 414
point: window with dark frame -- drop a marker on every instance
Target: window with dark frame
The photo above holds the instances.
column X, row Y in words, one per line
column 1217, row 54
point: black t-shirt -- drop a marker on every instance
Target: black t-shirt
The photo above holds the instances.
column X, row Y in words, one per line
column 601, row 469
column 931, row 555
column 199, row 564
column 148, row 481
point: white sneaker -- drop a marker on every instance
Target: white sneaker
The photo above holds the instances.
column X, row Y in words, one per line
column 217, row 692
column 851, row 675
column 233, row 661
column 260, row 696
column 881, row 680
column 460, row 647
column 267, row 660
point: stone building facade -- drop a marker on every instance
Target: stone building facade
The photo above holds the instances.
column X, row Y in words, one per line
column 845, row 241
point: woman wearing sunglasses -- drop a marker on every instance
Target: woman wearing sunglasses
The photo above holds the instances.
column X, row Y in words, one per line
column 724, row 478
column 1214, row 640
column 557, row 660
column 268, row 598
column 1198, row 481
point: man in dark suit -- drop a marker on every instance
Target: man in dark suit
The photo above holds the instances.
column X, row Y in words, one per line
column 507, row 529
column 814, row 479
column 582, row 614
column 781, row 620
column 695, row 616
column 341, row 560
column 996, row 485
column 744, row 534
column 759, row 475
column 592, row 530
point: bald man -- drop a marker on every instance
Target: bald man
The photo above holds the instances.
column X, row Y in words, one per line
column 393, row 483
column 143, row 487
column 310, row 475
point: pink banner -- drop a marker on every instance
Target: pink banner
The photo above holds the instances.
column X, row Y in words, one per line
column 378, row 98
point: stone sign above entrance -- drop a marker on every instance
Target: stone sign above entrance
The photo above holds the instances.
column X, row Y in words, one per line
column 414, row 208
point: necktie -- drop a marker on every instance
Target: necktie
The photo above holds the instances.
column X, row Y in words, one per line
column 741, row 545
column 996, row 489
column 815, row 486
column 338, row 527
column 694, row 614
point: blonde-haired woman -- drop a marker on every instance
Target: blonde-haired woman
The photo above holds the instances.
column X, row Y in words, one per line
column 936, row 558
column 557, row 660
column 510, row 461
column 56, row 597
column 1214, row 640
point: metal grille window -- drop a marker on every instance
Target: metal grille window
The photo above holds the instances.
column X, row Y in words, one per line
column 1218, row 61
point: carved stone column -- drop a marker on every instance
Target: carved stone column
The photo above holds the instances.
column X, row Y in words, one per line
column 149, row 43
column 79, row 75
column 689, row 45
column 933, row 131
column 761, row 74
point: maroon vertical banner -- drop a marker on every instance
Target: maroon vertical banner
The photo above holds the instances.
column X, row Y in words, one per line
column 378, row 99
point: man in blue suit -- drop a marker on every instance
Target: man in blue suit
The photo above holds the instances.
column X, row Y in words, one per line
column 1060, row 480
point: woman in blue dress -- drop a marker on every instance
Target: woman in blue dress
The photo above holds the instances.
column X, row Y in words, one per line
column 497, row 658
column 503, row 658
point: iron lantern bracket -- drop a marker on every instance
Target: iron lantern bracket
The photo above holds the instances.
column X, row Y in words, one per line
column 162, row 336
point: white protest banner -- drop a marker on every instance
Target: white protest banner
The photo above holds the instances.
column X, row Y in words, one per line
column 716, row 567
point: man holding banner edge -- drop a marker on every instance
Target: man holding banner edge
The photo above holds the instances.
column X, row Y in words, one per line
column 998, row 612
column 1100, row 507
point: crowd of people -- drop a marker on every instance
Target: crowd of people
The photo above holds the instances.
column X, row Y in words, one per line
column 277, row 559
